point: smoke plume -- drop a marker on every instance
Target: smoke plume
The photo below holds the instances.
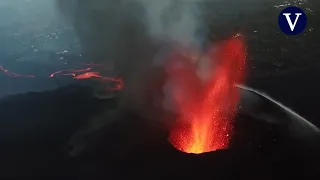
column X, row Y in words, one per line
column 133, row 36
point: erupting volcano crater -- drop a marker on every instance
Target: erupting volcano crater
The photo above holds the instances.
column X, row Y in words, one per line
column 206, row 108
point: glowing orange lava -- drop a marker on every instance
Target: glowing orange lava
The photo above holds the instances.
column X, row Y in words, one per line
column 207, row 108
column 85, row 73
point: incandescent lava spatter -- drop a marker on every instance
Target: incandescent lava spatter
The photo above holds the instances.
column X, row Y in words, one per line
column 206, row 109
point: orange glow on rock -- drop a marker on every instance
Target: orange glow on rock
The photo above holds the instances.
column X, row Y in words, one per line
column 206, row 109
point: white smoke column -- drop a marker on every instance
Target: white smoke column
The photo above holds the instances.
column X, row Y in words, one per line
column 174, row 20
column 178, row 23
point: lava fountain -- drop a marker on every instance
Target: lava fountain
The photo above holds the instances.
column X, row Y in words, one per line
column 206, row 108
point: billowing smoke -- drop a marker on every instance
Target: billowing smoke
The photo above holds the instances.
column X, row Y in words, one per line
column 133, row 37
column 174, row 20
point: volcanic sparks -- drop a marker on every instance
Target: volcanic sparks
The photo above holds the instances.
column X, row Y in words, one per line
column 207, row 108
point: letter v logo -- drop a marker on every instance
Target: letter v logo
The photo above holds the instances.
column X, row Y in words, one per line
column 292, row 20
column 292, row 25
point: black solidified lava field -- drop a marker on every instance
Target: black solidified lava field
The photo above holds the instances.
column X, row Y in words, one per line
column 132, row 147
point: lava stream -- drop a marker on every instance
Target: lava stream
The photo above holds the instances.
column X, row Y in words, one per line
column 207, row 108
column 85, row 73
column 12, row 74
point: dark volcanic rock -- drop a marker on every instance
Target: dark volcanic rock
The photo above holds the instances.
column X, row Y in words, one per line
column 258, row 150
column 34, row 126
column 34, row 115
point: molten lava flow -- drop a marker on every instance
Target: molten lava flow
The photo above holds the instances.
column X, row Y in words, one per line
column 12, row 74
column 72, row 72
column 207, row 108
column 112, row 84
column 118, row 83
